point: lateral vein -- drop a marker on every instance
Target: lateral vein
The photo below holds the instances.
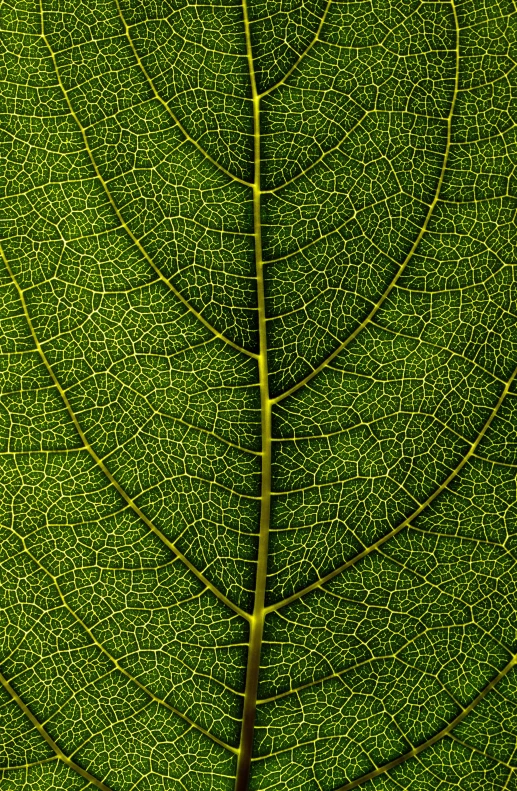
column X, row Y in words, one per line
column 50, row 741
column 377, row 544
column 115, row 662
column 200, row 576
column 300, row 57
column 170, row 285
column 174, row 117
column 437, row 736
column 409, row 256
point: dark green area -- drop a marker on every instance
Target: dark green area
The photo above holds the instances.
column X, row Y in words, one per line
column 130, row 411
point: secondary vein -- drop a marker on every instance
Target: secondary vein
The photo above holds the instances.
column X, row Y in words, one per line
column 437, row 736
column 384, row 296
column 50, row 741
column 116, row 663
column 377, row 544
column 168, row 109
column 86, row 444
column 119, row 216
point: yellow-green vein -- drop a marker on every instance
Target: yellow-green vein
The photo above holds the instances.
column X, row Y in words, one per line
column 407, row 521
column 437, row 736
column 115, row 662
column 50, row 741
column 256, row 626
column 301, row 56
column 119, row 216
column 100, row 462
column 412, row 251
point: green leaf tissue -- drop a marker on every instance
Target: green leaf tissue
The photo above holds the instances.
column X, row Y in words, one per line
column 258, row 410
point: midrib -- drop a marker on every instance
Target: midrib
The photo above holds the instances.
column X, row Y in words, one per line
column 257, row 619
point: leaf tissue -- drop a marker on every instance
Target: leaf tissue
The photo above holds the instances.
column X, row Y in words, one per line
column 258, row 416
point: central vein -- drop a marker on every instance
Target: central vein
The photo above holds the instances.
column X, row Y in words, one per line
column 257, row 619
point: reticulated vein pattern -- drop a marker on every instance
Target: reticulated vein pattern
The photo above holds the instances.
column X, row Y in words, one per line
column 258, row 414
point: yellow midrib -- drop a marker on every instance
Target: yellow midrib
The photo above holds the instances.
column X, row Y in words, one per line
column 259, row 610
column 257, row 619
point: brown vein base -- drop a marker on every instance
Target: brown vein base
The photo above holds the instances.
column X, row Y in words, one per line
column 250, row 707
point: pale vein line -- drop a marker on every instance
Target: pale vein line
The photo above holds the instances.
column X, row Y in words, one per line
column 186, row 424
column 371, row 660
column 221, row 596
column 492, row 684
column 115, row 661
column 462, row 537
column 409, row 256
column 323, row 679
column 312, row 165
column 50, row 741
column 442, row 589
column 425, row 342
column 164, row 104
column 300, row 57
column 186, row 474
column 332, row 231
column 361, row 422
column 118, row 214
column 494, row 461
column 437, row 736
column 373, row 547
column 28, row 765
column 480, row 752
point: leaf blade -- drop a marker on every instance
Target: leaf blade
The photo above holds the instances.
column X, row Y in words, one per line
column 232, row 257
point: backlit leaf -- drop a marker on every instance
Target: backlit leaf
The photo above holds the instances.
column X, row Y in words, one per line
column 258, row 423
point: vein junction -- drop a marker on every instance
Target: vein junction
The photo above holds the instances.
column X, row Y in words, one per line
column 306, row 316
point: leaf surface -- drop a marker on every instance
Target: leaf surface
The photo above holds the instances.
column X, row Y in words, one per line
column 258, row 426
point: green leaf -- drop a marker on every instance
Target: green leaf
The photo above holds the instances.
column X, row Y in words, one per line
column 258, row 425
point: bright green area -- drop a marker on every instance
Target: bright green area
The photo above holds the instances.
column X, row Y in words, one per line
column 132, row 363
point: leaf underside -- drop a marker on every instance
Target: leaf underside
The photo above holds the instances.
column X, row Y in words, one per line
column 258, row 424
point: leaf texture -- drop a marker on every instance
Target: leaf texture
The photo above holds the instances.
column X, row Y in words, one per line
column 258, row 425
